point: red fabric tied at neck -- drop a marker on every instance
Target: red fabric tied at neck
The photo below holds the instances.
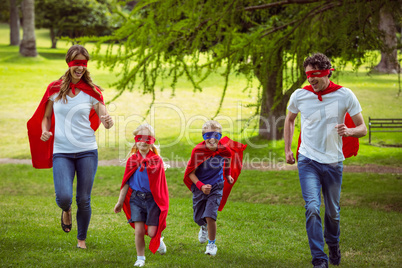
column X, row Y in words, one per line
column 73, row 86
column 331, row 88
column 144, row 138
column 321, row 73
column 79, row 84
column 78, row 63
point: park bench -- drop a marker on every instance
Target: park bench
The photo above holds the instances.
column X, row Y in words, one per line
column 384, row 125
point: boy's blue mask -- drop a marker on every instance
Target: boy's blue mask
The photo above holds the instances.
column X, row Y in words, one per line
column 212, row 135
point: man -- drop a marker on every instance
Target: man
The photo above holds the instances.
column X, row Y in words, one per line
column 323, row 106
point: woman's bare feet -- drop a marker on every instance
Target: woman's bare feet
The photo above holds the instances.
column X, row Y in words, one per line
column 81, row 244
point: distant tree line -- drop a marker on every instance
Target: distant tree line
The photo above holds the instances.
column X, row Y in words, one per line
column 75, row 18
column 63, row 18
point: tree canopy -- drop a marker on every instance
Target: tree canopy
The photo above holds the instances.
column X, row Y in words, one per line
column 171, row 38
column 72, row 18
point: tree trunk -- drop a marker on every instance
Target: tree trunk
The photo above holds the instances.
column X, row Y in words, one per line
column 389, row 58
column 273, row 102
column 28, row 43
column 14, row 24
column 53, row 37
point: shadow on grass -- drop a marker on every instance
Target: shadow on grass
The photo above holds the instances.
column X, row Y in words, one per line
column 10, row 54
column 382, row 144
column 57, row 55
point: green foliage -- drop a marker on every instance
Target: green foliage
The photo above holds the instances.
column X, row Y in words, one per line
column 159, row 35
column 266, row 42
column 76, row 18
column 5, row 11
column 262, row 224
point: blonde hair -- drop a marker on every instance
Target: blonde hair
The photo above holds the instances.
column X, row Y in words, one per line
column 211, row 124
column 148, row 127
column 73, row 52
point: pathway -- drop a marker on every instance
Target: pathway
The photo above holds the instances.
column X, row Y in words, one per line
column 371, row 168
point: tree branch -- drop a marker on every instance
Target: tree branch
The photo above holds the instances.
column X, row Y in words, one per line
column 326, row 8
column 322, row 10
column 281, row 3
column 189, row 76
column 228, row 67
column 201, row 25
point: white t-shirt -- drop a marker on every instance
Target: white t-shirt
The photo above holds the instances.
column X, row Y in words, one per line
column 319, row 138
column 73, row 132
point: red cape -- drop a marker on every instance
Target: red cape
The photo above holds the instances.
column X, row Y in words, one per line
column 159, row 190
column 226, row 148
column 350, row 145
column 42, row 152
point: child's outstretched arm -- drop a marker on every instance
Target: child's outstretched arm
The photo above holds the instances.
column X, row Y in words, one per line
column 122, row 196
column 205, row 188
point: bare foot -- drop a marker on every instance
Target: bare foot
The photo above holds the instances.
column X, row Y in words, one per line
column 81, row 244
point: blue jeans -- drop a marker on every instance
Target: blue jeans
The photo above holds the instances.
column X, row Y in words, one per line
column 65, row 166
column 315, row 176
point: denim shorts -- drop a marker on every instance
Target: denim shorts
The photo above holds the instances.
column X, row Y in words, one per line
column 206, row 205
column 143, row 208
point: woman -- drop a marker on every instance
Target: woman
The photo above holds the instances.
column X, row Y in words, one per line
column 69, row 114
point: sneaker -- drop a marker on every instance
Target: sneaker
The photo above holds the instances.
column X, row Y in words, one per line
column 211, row 249
column 334, row 255
column 321, row 264
column 203, row 234
column 162, row 247
column 139, row 263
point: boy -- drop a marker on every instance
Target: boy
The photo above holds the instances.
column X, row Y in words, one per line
column 211, row 161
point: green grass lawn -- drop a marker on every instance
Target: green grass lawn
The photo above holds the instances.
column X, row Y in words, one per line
column 177, row 119
column 262, row 224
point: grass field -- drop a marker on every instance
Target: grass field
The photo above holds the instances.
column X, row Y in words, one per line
column 177, row 119
column 262, row 224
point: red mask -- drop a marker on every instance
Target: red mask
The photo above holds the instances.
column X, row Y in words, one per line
column 78, row 63
column 322, row 73
column 144, row 138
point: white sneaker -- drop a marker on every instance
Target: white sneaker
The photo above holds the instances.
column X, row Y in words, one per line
column 162, row 247
column 203, row 234
column 211, row 249
column 139, row 263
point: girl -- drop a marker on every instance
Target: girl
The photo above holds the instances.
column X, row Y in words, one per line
column 61, row 134
column 144, row 194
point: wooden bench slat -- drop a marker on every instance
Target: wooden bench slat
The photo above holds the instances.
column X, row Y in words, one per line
column 388, row 124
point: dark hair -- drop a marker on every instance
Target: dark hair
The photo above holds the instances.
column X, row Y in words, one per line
column 318, row 61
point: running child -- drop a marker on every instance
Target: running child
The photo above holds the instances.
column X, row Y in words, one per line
column 212, row 161
column 144, row 194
